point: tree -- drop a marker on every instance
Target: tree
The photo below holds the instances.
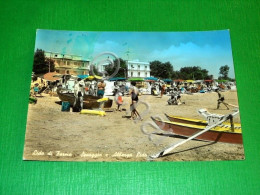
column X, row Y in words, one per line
column 95, row 71
column 195, row 73
column 122, row 69
column 223, row 72
column 41, row 64
column 161, row 70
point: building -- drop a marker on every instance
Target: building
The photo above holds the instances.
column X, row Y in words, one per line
column 138, row 69
column 69, row 64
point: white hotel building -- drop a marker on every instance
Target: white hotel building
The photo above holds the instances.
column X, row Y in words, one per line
column 138, row 69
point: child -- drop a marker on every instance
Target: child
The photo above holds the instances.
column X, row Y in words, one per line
column 36, row 89
column 119, row 100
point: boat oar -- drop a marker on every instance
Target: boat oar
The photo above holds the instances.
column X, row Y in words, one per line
column 232, row 105
column 175, row 145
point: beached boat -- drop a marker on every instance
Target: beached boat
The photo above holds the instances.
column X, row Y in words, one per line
column 180, row 119
column 221, row 133
column 89, row 101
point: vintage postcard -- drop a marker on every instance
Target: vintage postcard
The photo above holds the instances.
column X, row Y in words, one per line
column 133, row 96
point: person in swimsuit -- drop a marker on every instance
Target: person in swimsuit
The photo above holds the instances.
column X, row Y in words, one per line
column 134, row 97
column 101, row 89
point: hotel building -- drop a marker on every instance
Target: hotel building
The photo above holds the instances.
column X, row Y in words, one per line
column 69, row 64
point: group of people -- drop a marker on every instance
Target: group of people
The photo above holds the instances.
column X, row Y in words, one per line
column 79, row 92
column 134, row 93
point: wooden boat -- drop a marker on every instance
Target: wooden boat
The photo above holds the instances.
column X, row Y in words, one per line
column 221, row 133
column 89, row 101
column 180, row 119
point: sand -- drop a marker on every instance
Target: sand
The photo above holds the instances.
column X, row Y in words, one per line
column 53, row 135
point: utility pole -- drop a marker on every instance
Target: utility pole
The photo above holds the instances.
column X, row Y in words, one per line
column 50, row 63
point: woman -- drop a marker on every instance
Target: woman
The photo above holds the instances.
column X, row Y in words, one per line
column 134, row 97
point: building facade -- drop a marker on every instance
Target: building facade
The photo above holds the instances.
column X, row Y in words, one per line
column 69, row 64
column 138, row 69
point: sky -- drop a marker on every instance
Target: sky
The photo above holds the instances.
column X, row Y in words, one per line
column 207, row 49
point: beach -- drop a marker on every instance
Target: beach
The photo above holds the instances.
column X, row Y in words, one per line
column 52, row 135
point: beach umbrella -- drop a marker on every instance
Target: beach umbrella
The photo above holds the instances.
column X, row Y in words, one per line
column 189, row 81
column 151, row 78
column 178, row 80
column 167, row 80
column 198, row 81
column 208, row 80
column 222, row 81
column 91, row 78
column 83, row 76
column 136, row 79
column 117, row 79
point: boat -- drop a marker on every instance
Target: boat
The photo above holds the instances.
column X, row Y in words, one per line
column 89, row 101
column 222, row 133
column 180, row 119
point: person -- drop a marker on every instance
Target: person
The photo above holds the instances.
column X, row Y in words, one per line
column 134, row 97
column 36, row 89
column 101, row 89
column 163, row 89
column 79, row 94
column 221, row 100
column 119, row 100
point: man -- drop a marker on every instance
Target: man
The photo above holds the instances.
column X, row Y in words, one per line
column 101, row 89
column 78, row 93
column 221, row 100
column 163, row 87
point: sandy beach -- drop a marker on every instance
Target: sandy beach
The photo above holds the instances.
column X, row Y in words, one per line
column 53, row 135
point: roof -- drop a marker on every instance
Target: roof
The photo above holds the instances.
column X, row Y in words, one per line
column 50, row 76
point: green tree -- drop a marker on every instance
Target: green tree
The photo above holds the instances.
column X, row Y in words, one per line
column 41, row 64
column 194, row 73
column 95, row 71
column 223, row 72
column 161, row 70
column 122, row 72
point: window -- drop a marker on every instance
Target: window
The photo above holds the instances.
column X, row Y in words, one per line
column 68, row 63
column 138, row 66
column 138, row 73
column 131, row 74
column 56, row 55
column 145, row 67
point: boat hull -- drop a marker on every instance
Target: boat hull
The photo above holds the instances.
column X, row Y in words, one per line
column 89, row 102
column 194, row 121
column 211, row 135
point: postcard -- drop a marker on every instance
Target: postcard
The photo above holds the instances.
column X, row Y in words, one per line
column 133, row 96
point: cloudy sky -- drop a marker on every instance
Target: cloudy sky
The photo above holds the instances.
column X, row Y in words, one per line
column 207, row 49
